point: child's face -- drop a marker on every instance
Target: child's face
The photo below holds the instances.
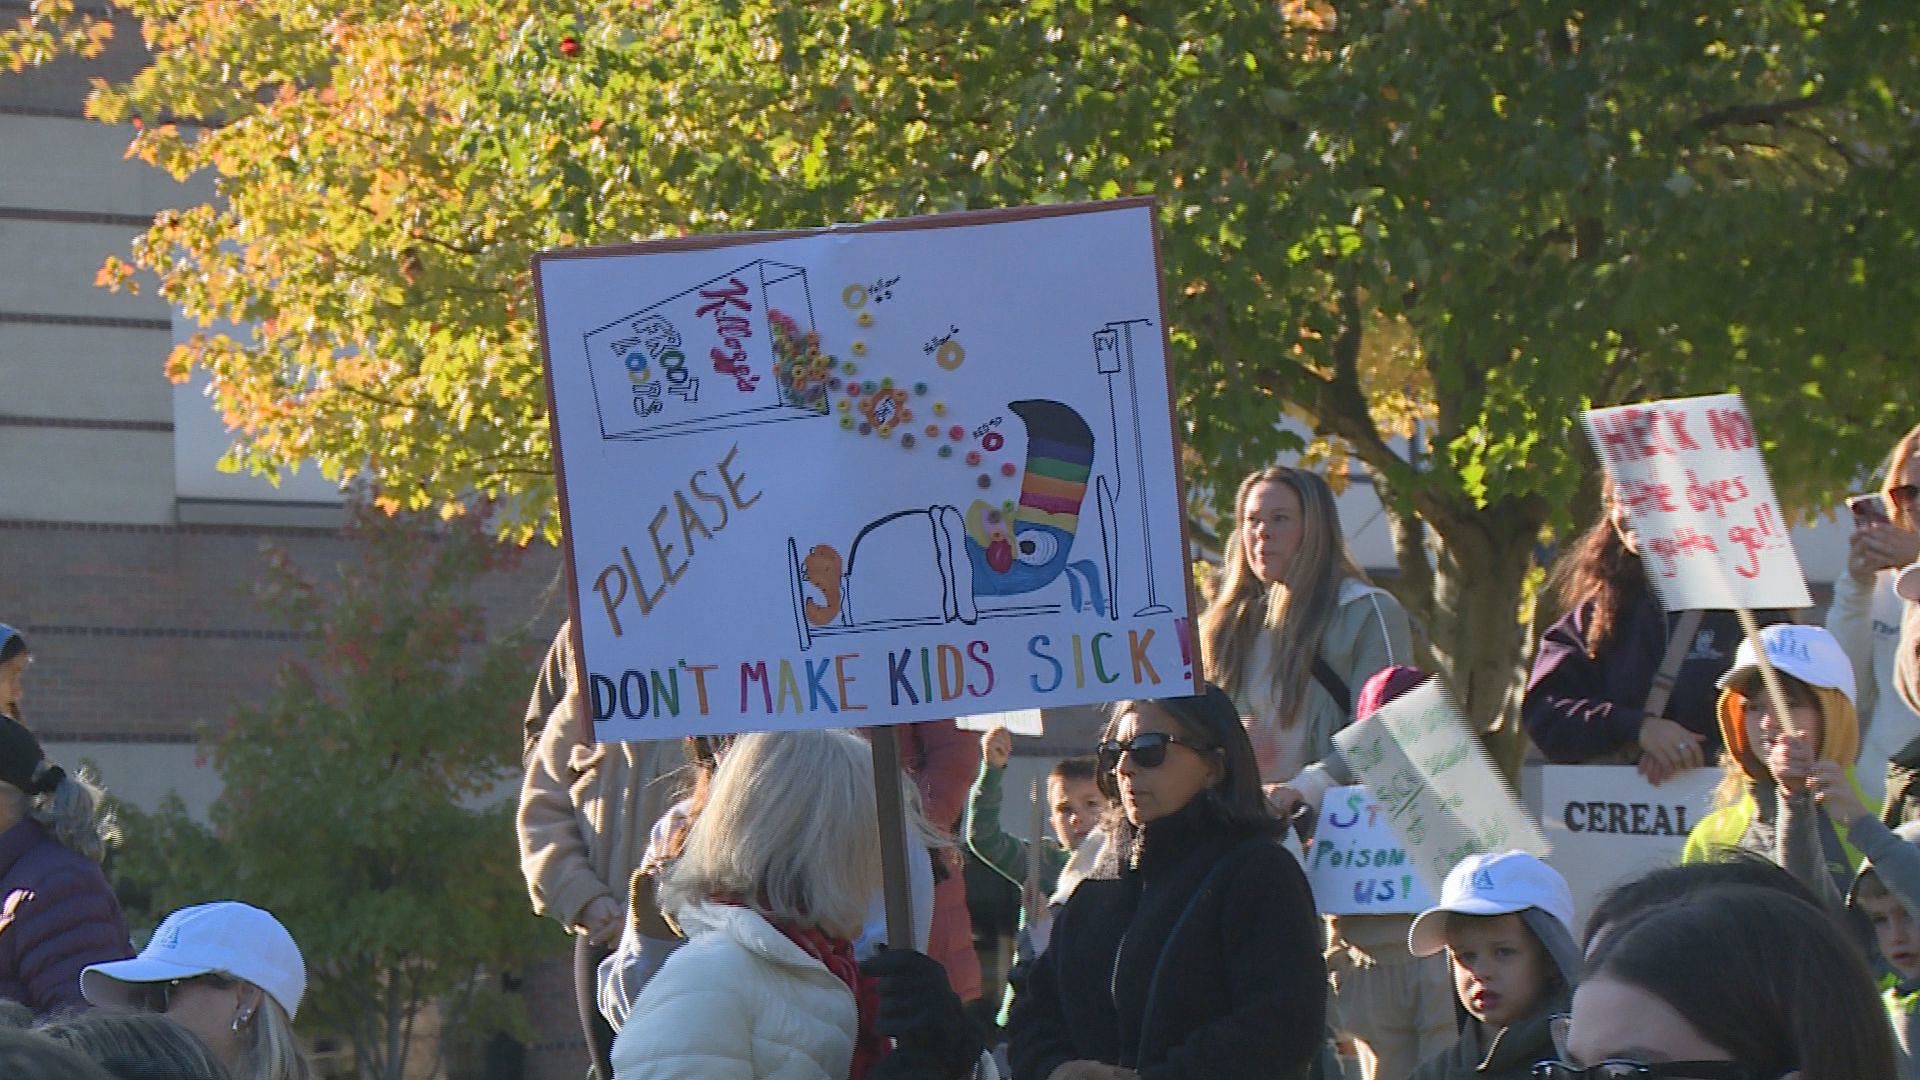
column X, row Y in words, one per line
column 1894, row 932
column 1803, row 716
column 1499, row 967
column 1076, row 809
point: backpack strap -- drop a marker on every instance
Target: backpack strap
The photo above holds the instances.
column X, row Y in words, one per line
column 1331, row 682
column 1678, row 642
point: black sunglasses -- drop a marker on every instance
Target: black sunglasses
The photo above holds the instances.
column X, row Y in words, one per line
column 1147, row 750
column 160, row 995
column 1634, row 1070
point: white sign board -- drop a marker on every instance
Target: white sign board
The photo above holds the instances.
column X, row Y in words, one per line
column 1357, row 865
column 869, row 474
column 1439, row 792
column 1608, row 824
column 1690, row 475
column 1017, row 722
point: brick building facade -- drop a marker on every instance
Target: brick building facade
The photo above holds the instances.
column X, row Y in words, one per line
column 125, row 556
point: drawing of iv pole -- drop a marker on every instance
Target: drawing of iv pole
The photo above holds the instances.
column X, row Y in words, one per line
column 1112, row 350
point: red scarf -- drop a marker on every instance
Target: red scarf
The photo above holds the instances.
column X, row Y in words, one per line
column 837, row 956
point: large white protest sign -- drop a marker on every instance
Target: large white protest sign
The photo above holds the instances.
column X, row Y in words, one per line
column 869, row 474
column 1690, row 475
column 1439, row 792
column 1608, row 824
column 1358, row 865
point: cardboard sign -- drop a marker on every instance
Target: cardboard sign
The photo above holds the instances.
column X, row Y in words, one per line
column 1696, row 489
column 1440, row 794
column 1017, row 722
column 1357, row 865
column 1608, row 824
column 870, row 474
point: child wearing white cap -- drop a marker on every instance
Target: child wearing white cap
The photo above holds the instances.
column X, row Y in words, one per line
column 1506, row 922
column 1773, row 815
column 226, row 971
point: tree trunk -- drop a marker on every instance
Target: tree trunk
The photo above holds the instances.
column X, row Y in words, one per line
column 1478, row 631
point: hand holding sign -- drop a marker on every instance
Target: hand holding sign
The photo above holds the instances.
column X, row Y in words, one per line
column 1434, row 783
column 1689, row 473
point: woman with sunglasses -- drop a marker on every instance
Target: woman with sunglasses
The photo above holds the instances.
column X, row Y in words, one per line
column 1736, row 982
column 226, row 971
column 1865, row 613
column 1192, row 949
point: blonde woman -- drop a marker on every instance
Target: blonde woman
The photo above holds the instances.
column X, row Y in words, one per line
column 1295, row 629
column 59, row 912
column 771, row 889
column 1866, row 612
column 1294, row 633
column 226, row 971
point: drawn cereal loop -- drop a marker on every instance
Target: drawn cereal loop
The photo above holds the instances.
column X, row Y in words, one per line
column 950, row 355
column 821, row 569
column 854, row 296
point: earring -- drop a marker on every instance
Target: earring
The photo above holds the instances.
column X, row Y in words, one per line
column 240, row 1019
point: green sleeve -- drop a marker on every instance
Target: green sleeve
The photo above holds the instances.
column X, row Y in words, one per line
column 1006, row 854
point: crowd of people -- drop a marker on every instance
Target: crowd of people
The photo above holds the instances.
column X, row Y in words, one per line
column 726, row 894
column 1164, row 931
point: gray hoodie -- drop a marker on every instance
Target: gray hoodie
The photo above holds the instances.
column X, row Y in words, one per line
column 1509, row 1053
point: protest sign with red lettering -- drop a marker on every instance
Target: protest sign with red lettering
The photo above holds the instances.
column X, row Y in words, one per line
column 1690, row 475
column 869, row 474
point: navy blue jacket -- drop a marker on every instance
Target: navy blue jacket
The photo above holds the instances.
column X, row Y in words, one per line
column 1579, row 709
column 57, row 915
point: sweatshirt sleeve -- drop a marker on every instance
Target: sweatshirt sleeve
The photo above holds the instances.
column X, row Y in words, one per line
column 1895, row 861
column 553, row 855
column 1797, row 848
column 1850, row 621
column 1277, row 976
column 1565, row 711
column 70, row 920
column 1005, row 853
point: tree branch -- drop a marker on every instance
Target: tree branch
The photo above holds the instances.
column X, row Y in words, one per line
column 1765, row 112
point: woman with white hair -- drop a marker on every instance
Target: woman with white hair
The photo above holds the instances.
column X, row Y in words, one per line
column 771, row 889
column 226, row 971
column 60, row 913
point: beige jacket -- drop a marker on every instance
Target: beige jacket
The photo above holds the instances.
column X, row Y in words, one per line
column 585, row 811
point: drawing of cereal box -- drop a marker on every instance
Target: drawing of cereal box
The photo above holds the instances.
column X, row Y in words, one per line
column 740, row 349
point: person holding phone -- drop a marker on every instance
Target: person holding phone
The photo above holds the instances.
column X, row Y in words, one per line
column 1865, row 613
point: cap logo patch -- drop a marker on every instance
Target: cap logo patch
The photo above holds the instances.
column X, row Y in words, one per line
column 1483, row 880
column 168, row 938
column 1790, row 647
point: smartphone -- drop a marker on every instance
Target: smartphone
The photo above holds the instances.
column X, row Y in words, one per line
column 1868, row 509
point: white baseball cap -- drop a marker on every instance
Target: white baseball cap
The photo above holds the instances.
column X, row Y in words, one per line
column 1808, row 653
column 1493, row 884
column 225, row 937
column 1907, row 582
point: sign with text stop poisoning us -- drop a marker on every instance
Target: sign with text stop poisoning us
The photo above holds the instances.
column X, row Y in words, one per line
column 870, row 474
column 1689, row 473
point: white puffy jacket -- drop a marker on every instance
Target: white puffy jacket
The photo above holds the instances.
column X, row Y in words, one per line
column 738, row 1001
